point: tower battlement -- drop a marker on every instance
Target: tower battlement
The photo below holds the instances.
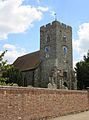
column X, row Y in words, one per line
column 56, row 23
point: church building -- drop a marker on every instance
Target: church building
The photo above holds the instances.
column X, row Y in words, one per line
column 53, row 63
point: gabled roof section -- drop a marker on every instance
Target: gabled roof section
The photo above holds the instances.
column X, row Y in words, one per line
column 28, row 61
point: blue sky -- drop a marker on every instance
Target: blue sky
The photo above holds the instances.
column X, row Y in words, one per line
column 20, row 22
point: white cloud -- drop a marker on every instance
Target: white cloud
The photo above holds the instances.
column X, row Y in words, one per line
column 16, row 17
column 9, row 47
column 13, row 52
column 81, row 45
column 44, row 9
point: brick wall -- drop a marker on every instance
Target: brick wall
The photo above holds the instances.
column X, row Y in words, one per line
column 35, row 104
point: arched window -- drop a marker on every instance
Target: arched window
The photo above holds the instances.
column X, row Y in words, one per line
column 65, row 50
column 47, row 48
column 47, row 38
column 64, row 38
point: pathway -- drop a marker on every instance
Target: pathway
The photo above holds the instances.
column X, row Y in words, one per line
column 79, row 116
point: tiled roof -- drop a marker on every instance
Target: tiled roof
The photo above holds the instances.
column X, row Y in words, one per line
column 28, row 61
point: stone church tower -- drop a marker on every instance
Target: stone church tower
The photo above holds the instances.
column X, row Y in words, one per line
column 52, row 65
column 56, row 52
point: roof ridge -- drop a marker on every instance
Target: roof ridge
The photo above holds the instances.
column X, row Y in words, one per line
column 29, row 53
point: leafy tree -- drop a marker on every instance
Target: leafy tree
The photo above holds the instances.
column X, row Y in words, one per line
column 13, row 75
column 8, row 74
column 3, row 63
column 82, row 69
column 3, row 66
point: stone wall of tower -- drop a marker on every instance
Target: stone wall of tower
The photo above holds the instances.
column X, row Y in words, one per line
column 52, row 43
column 47, row 39
column 63, row 39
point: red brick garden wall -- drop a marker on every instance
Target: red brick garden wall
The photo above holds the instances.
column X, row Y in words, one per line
column 36, row 104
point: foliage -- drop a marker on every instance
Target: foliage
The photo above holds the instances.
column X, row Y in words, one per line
column 3, row 82
column 8, row 74
column 82, row 69
column 3, row 63
column 13, row 75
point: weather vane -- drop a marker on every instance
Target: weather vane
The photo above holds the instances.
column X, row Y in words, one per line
column 55, row 16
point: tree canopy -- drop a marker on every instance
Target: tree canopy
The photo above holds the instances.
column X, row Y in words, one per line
column 3, row 63
column 82, row 70
column 8, row 74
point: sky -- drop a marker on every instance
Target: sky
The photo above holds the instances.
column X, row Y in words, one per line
column 20, row 22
